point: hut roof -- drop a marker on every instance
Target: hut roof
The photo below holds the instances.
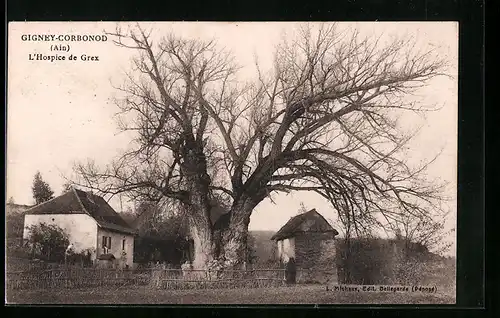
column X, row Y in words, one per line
column 293, row 225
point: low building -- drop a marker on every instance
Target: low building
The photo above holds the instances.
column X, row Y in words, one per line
column 308, row 241
column 91, row 223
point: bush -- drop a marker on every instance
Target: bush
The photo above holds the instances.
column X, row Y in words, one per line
column 14, row 225
column 48, row 242
column 379, row 261
column 362, row 261
column 14, row 248
column 408, row 270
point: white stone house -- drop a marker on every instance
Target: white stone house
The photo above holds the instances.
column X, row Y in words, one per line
column 91, row 223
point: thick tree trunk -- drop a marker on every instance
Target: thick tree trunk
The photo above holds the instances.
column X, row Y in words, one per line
column 234, row 241
column 197, row 180
column 204, row 247
column 234, row 245
column 201, row 231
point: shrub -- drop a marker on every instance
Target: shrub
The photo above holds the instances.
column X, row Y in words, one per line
column 14, row 224
column 15, row 248
column 48, row 242
column 408, row 270
column 379, row 261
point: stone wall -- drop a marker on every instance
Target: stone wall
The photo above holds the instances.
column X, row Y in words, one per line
column 315, row 258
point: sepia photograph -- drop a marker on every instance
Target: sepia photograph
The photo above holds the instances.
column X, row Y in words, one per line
column 231, row 163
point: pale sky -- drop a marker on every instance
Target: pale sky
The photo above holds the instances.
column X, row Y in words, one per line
column 60, row 112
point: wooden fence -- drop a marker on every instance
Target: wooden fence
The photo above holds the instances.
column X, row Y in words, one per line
column 74, row 277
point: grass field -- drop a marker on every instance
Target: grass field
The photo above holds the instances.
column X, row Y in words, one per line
column 313, row 294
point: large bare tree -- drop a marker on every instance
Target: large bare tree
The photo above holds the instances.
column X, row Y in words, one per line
column 323, row 118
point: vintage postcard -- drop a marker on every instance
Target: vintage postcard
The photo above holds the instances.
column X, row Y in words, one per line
column 231, row 163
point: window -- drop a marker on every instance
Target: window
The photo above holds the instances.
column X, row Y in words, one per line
column 123, row 244
column 106, row 242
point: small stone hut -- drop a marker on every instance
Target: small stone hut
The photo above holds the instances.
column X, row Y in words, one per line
column 310, row 240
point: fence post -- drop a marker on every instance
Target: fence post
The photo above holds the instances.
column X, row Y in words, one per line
column 51, row 279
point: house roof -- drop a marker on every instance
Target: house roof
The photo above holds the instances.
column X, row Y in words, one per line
column 77, row 202
column 292, row 226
